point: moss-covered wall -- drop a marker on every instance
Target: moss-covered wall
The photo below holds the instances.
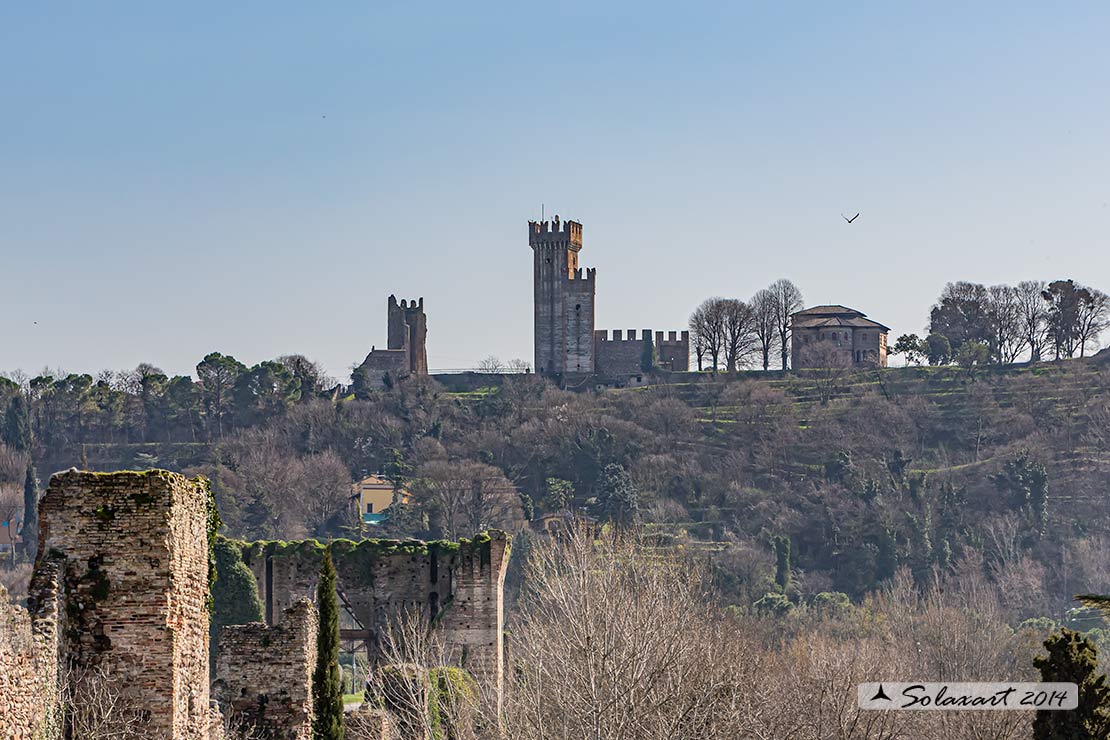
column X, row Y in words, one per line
column 457, row 585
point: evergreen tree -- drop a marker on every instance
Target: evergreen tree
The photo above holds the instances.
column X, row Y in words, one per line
column 647, row 354
column 234, row 592
column 30, row 512
column 886, row 554
column 1073, row 658
column 1025, row 481
column 782, row 562
column 617, row 494
column 921, row 548
column 17, row 424
column 327, row 694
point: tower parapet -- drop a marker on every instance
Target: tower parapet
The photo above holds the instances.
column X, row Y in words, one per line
column 555, row 233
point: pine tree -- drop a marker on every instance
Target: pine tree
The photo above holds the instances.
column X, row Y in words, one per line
column 30, row 512
column 17, row 424
column 1072, row 657
column 782, row 562
column 327, row 694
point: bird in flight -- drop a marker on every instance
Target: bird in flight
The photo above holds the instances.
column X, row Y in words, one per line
column 849, row 220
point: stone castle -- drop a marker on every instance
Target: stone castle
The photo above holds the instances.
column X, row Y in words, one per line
column 121, row 585
column 406, row 350
column 566, row 343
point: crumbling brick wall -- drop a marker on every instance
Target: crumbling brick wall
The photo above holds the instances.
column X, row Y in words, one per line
column 264, row 674
column 458, row 585
column 28, row 675
column 132, row 550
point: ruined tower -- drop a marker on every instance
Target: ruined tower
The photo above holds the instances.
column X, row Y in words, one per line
column 406, row 350
column 131, row 555
column 408, row 330
column 564, row 299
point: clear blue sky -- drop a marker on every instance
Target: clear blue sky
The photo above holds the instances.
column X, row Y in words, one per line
column 257, row 177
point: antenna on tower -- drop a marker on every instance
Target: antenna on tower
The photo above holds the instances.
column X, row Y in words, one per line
column 541, row 213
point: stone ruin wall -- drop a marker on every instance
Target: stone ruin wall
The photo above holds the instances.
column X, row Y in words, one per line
column 264, row 674
column 121, row 582
column 29, row 660
column 459, row 585
column 132, row 554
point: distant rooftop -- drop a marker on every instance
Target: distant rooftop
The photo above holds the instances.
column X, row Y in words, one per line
column 833, row 310
column 834, row 316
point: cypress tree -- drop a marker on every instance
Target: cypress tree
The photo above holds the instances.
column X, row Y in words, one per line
column 647, row 354
column 782, row 562
column 1073, row 658
column 30, row 512
column 327, row 694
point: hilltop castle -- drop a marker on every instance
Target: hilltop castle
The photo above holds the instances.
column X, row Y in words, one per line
column 566, row 342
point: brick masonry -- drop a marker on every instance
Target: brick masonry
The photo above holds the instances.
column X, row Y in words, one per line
column 264, row 674
column 28, row 674
column 131, row 551
column 406, row 344
column 459, row 586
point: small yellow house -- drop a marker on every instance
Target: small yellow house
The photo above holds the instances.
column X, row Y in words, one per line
column 374, row 494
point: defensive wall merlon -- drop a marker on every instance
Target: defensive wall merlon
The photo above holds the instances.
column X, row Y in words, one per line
column 659, row 338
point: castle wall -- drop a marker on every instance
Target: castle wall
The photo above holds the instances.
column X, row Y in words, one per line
column 619, row 356
column 264, row 674
column 457, row 585
column 132, row 549
column 672, row 352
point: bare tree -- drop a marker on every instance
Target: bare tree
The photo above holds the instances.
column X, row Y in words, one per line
column 828, row 365
column 1092, row 318
column 1005, row 319
column 491, row 365
column 707, row 324
column 97, row 707
column 697, row 340
column 765, row 318
column 788, row 301
column 740, row 337
column 465, row 497
column 411, row 665
column 1033, row 316
column 617, row 641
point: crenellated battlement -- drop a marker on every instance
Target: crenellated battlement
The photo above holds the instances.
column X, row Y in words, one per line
column 415, row 305
column 579, row 276
column 672, row 338
column 555, row 233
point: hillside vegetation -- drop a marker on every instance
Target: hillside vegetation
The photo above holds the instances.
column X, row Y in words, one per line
column 860, row 473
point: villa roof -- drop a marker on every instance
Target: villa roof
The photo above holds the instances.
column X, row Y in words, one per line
column 834, row 316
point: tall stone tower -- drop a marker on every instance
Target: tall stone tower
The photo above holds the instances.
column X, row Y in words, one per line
column 564, row 299
column 408, row 330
